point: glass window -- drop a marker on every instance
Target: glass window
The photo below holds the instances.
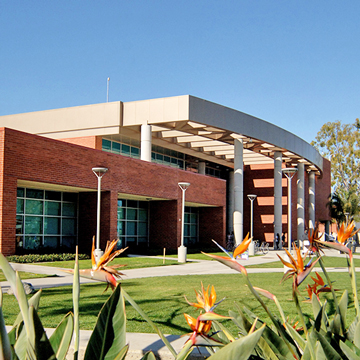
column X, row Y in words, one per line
column 53, row 195
column 34, row 194
column 71, row 197
column 69, row 209
column 121, row 212
column 131, row 214
column 19, row 224
column 131, row 228
column 34, row 207
column 116, row 147
column 51, row 225
column 142, row 229
column 135, row 152
column 143, row 215
column 32, row 242
column 132, row 203
column 20, row 192
column 68, row 242
column 52, row 208
column 121, row 228
column 125, row 150
column 51, row 241
column 33, row 224
column 106, row 145
column 20, row 206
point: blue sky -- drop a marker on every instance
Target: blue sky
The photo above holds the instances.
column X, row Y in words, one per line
column 292, row 63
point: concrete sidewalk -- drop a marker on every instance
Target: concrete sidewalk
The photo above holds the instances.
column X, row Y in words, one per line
column 141, row 343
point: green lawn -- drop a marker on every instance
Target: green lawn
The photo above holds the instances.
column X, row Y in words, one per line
column 162, row 298
column 130, row 262
column 329, row 261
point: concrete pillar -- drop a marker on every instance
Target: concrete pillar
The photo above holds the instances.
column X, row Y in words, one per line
column 311, row 200
column 278, row 195
column 238, row 191
column 300, row 203
column 201, row 167
column 145, row 142
column 230, row 202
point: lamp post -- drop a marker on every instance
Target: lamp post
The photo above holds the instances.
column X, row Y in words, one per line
column 99, row 172
column 252, row 197
column 182, row 249
column 289, row 173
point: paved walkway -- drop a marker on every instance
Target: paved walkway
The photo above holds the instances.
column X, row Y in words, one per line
column 141, row 343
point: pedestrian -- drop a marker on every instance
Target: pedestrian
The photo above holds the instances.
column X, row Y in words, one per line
column 277, row 241
column 283, row 239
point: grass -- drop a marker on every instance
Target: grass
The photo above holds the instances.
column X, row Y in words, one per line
column 162, row 298
column 329, row 261
column 130, row 262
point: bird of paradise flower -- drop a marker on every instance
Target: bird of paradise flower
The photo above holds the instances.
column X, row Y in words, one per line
column 297, row 270
column 201, row 326
column 101, row 271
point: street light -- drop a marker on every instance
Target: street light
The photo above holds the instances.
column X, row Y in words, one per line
column 99, row 172
column 251, row 197
column 182, row 249
column 289, row 173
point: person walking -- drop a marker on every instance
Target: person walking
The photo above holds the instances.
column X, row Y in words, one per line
column 277, row 241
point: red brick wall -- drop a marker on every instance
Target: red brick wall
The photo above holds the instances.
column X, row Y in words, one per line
column 213, row 229
column 38, row 159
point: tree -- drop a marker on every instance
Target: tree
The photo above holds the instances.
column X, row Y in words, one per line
column 340, row 143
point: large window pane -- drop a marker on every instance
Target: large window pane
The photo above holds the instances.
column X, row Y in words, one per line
column 68, row 242
column 131, row 228
column 131, row 214
column 52, row 208
column 53, row 195
column 142, row 215
column 51, row 225
column 121, row 213
column 115, row 148
column 34, row 207
column 20, row 192
column 33, row 225
column 19, row 224
column 32, row 242
column 51, row 241
column 121, row 228
column 106, row 145
column 20, row 206
column 34, row 194
column 69, row 209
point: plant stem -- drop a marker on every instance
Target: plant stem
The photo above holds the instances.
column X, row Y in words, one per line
column 353, row 285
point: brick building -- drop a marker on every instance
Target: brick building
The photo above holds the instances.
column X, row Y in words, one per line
column 48, row 194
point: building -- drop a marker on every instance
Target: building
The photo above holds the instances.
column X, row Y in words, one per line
column 48, row 190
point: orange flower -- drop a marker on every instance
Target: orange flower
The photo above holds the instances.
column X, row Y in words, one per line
column 101, row 271
column 230, row 261
column 313, row 288
column 346, row 233
column 313, row 236
column 201, row 327
column 205, row 300
column 298, row 270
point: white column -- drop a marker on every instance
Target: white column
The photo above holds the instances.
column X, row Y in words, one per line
column 230, row 202
column 300, row 203
column 311, row 200
column 278, row 195
column 238, row 191
column 145, row 142
column 201, row 167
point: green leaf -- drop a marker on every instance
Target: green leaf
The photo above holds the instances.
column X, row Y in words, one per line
column 5, row 349
column 149, row 356
column 157, row 330
column 43, row 349
column 122, row 353
column 240, row 349
column 185, row 351
column 33, row 301
column 348, row 351
column 315, row 305
column 296, row 336
column 76, row 299
column 109, row 329
column 357, row 335
column 330, row 352
column 61, row 338
column 8, row 272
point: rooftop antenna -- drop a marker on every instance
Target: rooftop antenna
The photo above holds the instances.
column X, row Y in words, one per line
column 107, row 93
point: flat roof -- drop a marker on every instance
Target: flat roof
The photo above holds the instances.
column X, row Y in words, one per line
column 185, row 123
